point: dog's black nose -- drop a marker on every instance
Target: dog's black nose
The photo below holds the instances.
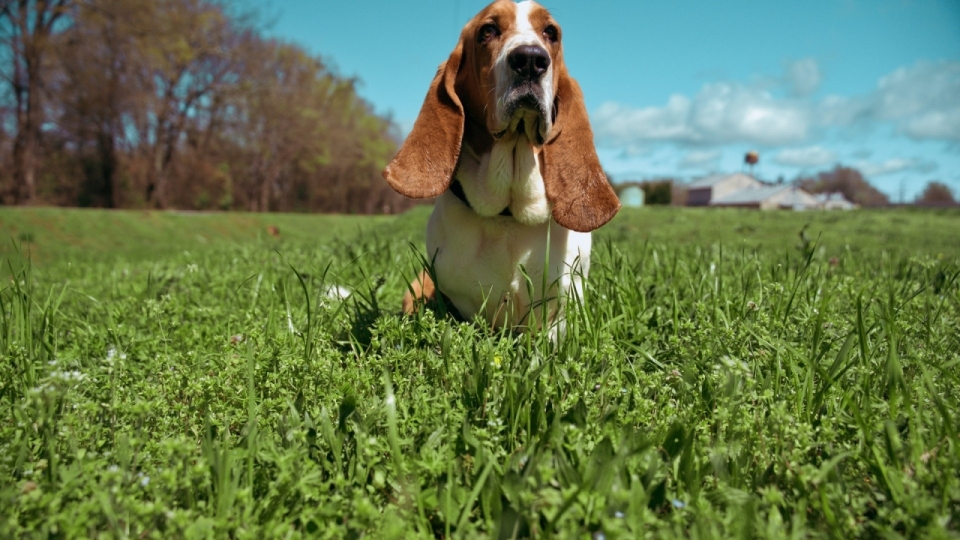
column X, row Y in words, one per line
column 529, row 61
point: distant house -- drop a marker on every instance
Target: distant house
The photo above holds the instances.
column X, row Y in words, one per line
column 767, row 197
column 631, row 196
column 744, row 191
column 704, row 191
column 834, row 201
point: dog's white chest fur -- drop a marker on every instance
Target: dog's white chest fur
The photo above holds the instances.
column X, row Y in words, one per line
column 491, row 264
column 508, row 176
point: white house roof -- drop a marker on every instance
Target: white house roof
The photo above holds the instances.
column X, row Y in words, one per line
column 707, row 181
column 831, row 197
column 799, row 198
column 710, row 181
column 749, row 196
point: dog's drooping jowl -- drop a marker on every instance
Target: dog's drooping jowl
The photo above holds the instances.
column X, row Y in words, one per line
column 504, row 143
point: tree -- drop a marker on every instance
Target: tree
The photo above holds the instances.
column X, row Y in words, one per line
column 4, row 134
column 184, row 103
column 95, row 91
column 186, row 49
column 27, row 27
column 279, row 117
column 936, row 194
column 848, row 181
column 299, row 136
column 657, row 192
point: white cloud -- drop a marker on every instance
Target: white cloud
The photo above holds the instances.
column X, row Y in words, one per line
column 811, row 156
column 921, row 88
column 842, row 111
column 725, row 112
column 623, row 125
column 921, row 102
column 803, row 77
column 719, row 113
column 895, row 165
column 633, row 150
column 934, row 125
column 700, row 159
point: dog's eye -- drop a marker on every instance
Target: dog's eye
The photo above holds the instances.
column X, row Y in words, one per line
column 550, row 32
column 488, row 32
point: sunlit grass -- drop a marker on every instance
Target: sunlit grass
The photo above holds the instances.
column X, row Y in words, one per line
column 754, row 384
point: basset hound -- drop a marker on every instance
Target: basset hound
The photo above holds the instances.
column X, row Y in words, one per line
column 504, row 143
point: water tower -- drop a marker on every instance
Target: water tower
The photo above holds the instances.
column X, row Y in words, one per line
column 751, row 159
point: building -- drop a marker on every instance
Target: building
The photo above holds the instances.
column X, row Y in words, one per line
column 767, row 197
column 834, row 201
column 704, row 191
column 740, row 190
column 631, row 197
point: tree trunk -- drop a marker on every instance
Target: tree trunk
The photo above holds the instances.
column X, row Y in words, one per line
column 24, row 166
column 28, row 135
column 108, row 168
column 154, row 176
column 265, row 192
column 157, row 188
column 156, row 173
column 27, row 46
column 157, row 178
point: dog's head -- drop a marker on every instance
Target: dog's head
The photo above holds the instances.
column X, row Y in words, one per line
column 507, row 76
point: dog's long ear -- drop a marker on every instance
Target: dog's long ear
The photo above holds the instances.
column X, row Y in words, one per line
column 573, row 177
column 425, row 164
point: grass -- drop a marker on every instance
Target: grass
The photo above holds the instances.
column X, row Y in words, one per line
column 726, row 376
column 86, row 235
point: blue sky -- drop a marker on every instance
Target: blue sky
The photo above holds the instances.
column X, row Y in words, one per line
column 684, row 88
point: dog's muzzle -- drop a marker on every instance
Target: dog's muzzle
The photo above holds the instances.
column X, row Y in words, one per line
column 525, row 103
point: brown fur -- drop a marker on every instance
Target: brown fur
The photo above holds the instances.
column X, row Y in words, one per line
column 423, row 292
column 424, row 166
column 572, row 175
column 460, row 106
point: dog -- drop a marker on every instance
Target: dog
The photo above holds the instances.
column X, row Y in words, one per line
column 504, row 142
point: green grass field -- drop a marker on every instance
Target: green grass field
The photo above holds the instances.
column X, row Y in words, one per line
column 729, row 374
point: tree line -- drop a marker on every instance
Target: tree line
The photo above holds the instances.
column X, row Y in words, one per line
column 179, row 104
column 856, row 189
column 848, row 181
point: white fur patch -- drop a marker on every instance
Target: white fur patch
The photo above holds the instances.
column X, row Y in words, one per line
column 524, row 34
column 506, row 177
column 478, row 264
column 528, row 196
column 486, row 179
column 524, row 27
column 338, row 292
